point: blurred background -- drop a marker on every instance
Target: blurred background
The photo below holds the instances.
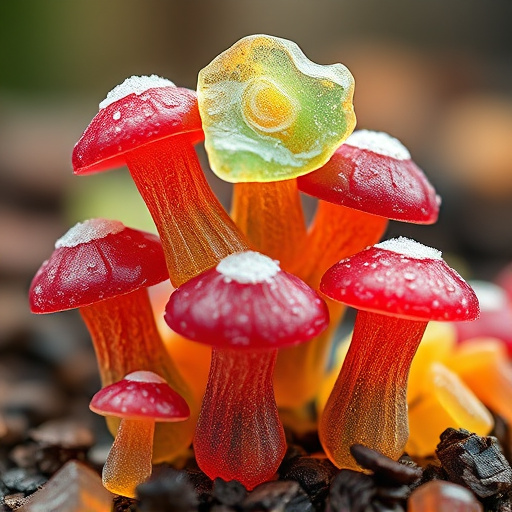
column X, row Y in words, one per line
column 435, row 74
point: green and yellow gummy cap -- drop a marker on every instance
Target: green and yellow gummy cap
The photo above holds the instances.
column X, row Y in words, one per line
column 269, row 113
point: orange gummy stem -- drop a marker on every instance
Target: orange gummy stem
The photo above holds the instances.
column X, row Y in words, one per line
column 337, row 232
column 299, row 370
column 195, row 230
column 126, row 339
column 368, row 402
column 129, row 461
column 239, row 434
column 270, row 215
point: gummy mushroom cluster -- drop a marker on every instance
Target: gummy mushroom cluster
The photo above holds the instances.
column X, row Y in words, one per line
column 259, row 287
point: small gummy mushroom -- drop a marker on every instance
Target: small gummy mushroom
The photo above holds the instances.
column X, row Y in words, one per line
column 104, row 268
column 246, row 308
column 368, row 180
column 151, row 125
column 141, row 399
column 398, row 286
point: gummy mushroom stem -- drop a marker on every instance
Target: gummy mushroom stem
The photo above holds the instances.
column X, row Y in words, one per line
column 337, row 232
column 129, row 461
column 375, row 386
column 195, row 230
column 241, row 383
column 270, row 216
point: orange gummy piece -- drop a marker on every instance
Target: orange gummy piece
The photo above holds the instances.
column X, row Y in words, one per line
column 448, row 403
column 440, row 496
column 436, row 345
column 483, row 365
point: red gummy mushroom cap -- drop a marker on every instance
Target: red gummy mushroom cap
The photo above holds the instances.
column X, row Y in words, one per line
column 141, row 110
column 96, row 260
column 140, row 395
column 373, row 172
column 247, row 302
column 403, row 278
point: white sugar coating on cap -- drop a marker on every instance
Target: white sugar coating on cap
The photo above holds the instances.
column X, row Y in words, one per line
column 248, row 267
column 89, row 230
column 410, row 248
column 135, row 85
column 490, row 296
column 379, row 142
column 145, row 376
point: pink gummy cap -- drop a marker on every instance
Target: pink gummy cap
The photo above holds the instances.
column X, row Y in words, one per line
column 247, row 302
column 403, row 278
column 141, row 395
column 134, row 117
column 97, row 260
column 373, row 172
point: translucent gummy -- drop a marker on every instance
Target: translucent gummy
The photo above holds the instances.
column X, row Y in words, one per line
column 271, row 114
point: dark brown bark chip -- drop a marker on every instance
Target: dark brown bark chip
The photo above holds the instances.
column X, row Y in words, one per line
column 277, row 496
column 202, row 485
column 168, row 490
column 351, row 491
column 475, row 462
column 314, row 475
column 228, row 493
column 386, row 470
column 124, row 504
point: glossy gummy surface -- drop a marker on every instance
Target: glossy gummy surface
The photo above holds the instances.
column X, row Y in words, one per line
column 97, row 269
column 140, row 399
column 376, row 183
column 218, row 310
column 134, row 121
column 271, row 114
column 393, row 283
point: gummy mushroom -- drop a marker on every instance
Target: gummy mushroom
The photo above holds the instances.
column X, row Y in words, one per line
column 398, row 286
column 369, row 180
column 151, row 125
column 269, row 115
column 104, row 268
column 246, row 308
column 141, row 399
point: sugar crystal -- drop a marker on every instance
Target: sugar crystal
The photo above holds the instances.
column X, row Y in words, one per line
column 135, row 85
column 92, row 229
column 379, row 142
column 410, row 248
column 248, row 267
